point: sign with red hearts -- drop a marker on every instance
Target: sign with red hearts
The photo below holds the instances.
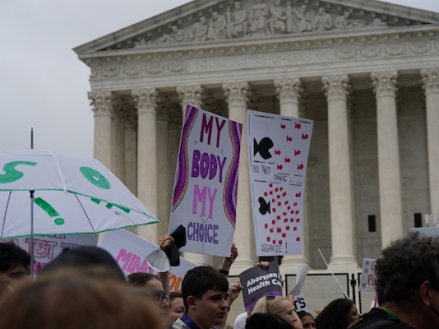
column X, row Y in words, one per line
column 278, row 155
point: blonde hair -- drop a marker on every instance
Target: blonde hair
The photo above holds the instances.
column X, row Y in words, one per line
column 269, row 304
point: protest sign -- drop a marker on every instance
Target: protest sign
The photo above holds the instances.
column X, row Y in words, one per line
column 257, row 282
column 427, row 231
column 296, row 292
column 299, row 303
column 206, row 182
column 129, row 250
column 48, row 247
column 367, row 276
column 177, row 273
column 278, row 155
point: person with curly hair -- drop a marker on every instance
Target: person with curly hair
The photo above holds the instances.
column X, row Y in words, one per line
column 407, row 285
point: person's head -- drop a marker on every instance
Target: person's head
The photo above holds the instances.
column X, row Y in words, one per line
column 205, row 296
column 307, row 320
column 154, row 284
column 404, row 266
column 280, row 306
column 338, row 314
column 82, row 258
column 176, row 306
column 407, row 279
column 14, row 265
column 266, row 320
column 71, row 300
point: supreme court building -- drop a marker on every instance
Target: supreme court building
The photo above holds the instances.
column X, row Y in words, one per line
column 366, row 72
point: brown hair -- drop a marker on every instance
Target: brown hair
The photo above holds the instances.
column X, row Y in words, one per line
column 141, row 278
column 77, row 301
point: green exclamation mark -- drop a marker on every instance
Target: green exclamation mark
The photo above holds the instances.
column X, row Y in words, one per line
column 43, row 204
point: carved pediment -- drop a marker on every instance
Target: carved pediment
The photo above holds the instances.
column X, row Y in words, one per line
column 230, row 20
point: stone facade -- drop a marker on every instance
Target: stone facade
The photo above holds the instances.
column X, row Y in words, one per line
column 365, row 71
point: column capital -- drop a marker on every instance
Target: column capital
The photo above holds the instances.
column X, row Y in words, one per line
column 288, row 89
column 145, row 100
column 430, row 80
column 190, row 95
column 385, row 83
column 101, row 102
column 336, row 86
column 237, row 92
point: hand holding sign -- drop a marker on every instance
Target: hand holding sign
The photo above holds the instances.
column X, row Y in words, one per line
column 258, row 282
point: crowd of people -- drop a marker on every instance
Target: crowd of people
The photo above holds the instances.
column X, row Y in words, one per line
column 85, row 288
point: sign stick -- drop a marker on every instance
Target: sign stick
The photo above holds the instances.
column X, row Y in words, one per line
column 335, row 278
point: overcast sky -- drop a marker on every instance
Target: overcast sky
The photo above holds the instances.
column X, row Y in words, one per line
column 44, row 85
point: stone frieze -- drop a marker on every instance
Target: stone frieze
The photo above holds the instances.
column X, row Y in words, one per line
column 128, row 68
column 241, row 20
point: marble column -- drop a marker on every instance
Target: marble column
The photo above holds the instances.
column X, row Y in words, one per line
column 237, row 95
column 101, row 102
column 147, row 176
column 163, row 178
column 191, row 95
column 130, row 158
column 340, row 175
column 430, row 79
column 131, row 150
column 384, row 84
column 118, row 138
column 289, row 93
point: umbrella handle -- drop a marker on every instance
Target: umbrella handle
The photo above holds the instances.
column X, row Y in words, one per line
column 31, row 195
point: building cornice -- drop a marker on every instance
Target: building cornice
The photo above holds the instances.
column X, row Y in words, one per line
column 232, row 47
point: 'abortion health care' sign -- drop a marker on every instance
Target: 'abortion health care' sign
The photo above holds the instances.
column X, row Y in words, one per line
column 206, row 182
column 257, row 282
column 278, row 154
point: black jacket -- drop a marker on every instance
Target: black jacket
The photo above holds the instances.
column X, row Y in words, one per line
column 377, row 318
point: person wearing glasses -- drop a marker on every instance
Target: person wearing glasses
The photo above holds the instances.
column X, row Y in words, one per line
column 407, row 286
column 153, row 283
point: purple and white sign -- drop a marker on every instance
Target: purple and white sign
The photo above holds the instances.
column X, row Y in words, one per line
column 206, row 182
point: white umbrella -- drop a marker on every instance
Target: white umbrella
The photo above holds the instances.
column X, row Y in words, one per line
column 71, row 195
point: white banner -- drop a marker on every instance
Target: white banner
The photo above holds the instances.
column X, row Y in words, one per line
column 47, row 248
column 129, row 250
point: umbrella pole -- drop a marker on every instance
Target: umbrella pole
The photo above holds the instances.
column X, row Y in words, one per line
column 31, row 193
